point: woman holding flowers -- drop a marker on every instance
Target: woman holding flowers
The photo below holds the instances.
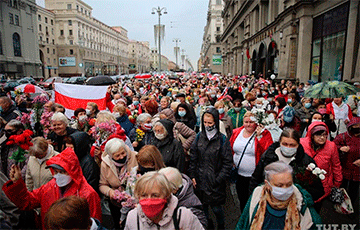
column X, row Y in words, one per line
column 142, row 134
column 117, row 162
column 248, row 143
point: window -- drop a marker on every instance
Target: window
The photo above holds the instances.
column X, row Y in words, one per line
column 11, row 16
column 46, row 20
column 39, row 27
column 70, row 23
column 16, row 45
column 47, row 30
column 47, row 40
column 53, row 42
column 52, row 22
column 77, row 7
column 85, row 12
column 71, row 42
column 54, row 61
column 39, row 17
column 70, row 32
column 53, row 51
column 1, row 50
column 71, row 51
column 218, row 2
column 47, row 50
column 218, row 38
column 82, row 9
column 218, row 29
column 17, row 22
column 69, row 6
column 218, row 50
column 40, row 38
column 61, row 32
column 52, row 31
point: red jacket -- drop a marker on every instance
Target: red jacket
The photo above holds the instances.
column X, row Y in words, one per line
column 326, row 158
column 261, row 144
column 330, row 110
column 47, row 194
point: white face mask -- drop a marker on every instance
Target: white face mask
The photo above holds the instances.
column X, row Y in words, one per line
column 282, row 193
column 116, row 115
column 315, row 120
column 287, row 152
column 160, row 136
column 62, row 180
column 88, row 112
column 82, row 118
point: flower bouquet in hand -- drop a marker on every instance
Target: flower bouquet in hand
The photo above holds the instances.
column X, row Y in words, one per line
column 45, row 122
column 261, row 117
column 25, row 119
column 23, row 143
column 127, row 203
column 102, row 131
column 306, row 176
column 133, row 116
column 38, row 106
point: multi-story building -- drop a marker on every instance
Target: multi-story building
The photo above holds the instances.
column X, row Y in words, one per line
column 304, row 40
column 154, row 61
column 47, row 46
column 85, row 45
column 19, row 53
column 211, row 50
column 139, row 56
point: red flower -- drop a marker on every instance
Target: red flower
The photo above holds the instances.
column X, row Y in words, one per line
column 22, row 140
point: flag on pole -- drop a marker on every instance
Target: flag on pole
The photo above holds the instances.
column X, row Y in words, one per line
column 77, row 96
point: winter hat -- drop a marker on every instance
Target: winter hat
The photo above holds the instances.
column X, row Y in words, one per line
column 353, row 121
column 318, row 128
column 288, row 114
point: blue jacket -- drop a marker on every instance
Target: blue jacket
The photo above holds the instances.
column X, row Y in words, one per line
column 125, row 124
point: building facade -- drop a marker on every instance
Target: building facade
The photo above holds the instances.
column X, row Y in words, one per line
column 19, row 53
column 85, row 45
column 154, row 61
column 47, row 46
column 299, row 40
column 139, row 57
column 211, row 49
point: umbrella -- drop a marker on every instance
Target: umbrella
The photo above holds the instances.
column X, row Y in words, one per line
column 330, row 89
column 143, row 76
column 101, row 80
column 29, row 88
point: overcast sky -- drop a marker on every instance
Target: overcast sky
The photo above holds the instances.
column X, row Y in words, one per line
column 185, row 20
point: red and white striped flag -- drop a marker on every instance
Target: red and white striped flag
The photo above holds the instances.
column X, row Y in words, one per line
column 77, row 96
column 126, row 88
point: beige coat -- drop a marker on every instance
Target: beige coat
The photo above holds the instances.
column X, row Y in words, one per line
column 36, row 174
column 109, row 176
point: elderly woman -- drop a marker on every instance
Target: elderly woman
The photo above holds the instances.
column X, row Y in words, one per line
column 170, row 148
column 279, row 204
column 36, row 173
column 164, row 103
column 220, row 106
column 248, row 143
column 158, row 208
column 325, row 154
column 183, row 190
column 290, row 151
column 117, row 162
column 144, row 125
column 59, row 123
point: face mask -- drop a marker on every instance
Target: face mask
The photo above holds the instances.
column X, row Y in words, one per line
column 210, row 128
column 315, row 120
column 8, row 134
column 282, row 193
column 144, row 170
column 237, row 109
column 147, row 126
column 62, row 180
column 322, row 111
column 221, row 111
column 182, row 113
column 160, row 136
column 82, row 118
column 270, row 99
column 307, row 105
column 135, row 102
column 284, row 92
column 152, row 207
column 178, row 100
column 120, row 162
column 116, row 114
column 287, row 152
column 355, row 130
column 213, row 95
column 88, row 112
column 289, row 100
column 264, row 94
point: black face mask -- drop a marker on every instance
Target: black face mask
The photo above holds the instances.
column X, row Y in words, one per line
column 354, row 130
column 121, row 161
column 142, row 170
column 9, row 133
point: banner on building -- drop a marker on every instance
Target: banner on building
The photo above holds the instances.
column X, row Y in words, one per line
column 217, row 59
column 77, row 96
column 67, row 61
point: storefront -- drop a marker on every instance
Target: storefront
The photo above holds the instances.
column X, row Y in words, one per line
column 328, row 44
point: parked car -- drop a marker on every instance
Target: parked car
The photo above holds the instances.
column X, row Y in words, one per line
column 10, row 85
column 47, row 84
column 27, row 80
column 65, row 79
column 76, row 80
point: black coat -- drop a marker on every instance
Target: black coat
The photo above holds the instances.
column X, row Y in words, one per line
column 210, row 164
column 58, row 141
column 301, row 160
column 148, row 138
column 170, row 148
column 11, row 113
column 90, row 169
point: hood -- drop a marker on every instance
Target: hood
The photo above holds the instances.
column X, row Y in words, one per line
column 187, row 193
column 82, row 144
column 353, row 121
column 313, row 125
column 69, row 161
column 215, row 114
column 169, row 125
column 169, row 114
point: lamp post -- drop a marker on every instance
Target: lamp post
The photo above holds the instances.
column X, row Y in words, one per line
column 176, row 40
column 159, row 11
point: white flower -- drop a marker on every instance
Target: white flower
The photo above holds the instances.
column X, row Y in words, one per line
column 317, row 171
column 323, row 171
column 321, row 177
column 253, row 118
column 271, row 117
column 312, row 166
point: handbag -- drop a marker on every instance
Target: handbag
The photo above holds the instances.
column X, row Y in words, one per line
column 179, row 137
column 234, row 169
column 342, row 201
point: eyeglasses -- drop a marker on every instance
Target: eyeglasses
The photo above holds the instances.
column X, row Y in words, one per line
column 324, row 134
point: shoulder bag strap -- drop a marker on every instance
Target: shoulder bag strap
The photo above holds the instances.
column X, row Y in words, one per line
column 242, row 155
column 175, row 220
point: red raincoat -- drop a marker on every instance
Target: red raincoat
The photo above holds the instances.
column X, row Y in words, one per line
column 47, row 194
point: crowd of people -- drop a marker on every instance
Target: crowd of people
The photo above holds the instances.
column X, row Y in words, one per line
column 164, row 152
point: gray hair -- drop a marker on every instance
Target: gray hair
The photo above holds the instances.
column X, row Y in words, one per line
column 142, row 118
column 277, row 167
column 16, row 124
column 173, row 175
column 113, row 146
column 158, row 123
column 60, row 117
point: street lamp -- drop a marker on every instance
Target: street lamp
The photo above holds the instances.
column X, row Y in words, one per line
column 177, row 40
column 159, row 11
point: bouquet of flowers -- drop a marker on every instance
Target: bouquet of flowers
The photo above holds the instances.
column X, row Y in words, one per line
column 25, row 119
column 45, row 122
column 127, row 203
column 139, row 135
column 306, row 176
column 23, row 143
column 102, row 131
column 133, row 117
column 38, row 106
column 86, row 124
column 261, row 117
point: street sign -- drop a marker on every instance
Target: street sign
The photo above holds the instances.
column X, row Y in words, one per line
column 217, row 59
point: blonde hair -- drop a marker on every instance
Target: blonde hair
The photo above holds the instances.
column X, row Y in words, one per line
column 120, row 108
column 219, row 103
column 104, row 116
column 174, row 105
column 248, row 114
column 151, row 179
column 40, row 145
column 93, row 105
column 173, row 175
